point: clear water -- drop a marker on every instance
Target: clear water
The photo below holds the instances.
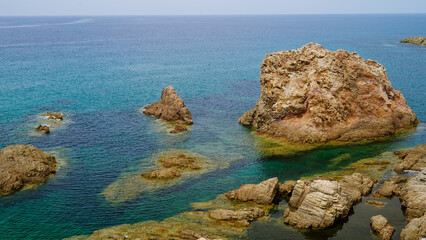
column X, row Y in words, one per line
column 100, row 70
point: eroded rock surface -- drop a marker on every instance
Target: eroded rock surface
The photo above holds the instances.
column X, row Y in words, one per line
column 262, row 193
column 21, row 165
column 411, row 158
column 381, row 227
column 415, row 229
column 315, row 95
column 413, row 196
column 415, row 40
column 319, row 204
column 170, row 108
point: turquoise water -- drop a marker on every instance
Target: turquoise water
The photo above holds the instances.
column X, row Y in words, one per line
column 101, row 70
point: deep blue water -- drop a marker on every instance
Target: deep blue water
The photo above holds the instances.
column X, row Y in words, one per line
column 101, row 70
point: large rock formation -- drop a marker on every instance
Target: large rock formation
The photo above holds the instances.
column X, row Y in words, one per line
column 315, row 95
column 21, row 165
column 415, row 229
column 319, row 204
column 413, row 196
column 411, row 158
column 381, row 227
column 415, row 40
column 262, row 193
column 170, row 108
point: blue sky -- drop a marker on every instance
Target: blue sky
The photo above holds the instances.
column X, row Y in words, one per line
column 201, row 7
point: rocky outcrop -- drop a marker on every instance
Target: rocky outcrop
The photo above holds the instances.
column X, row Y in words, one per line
column 262, row 193
column 43, row 128
column 315, row 95
column 242, row 217
column 170, row 108
column 54, row 116
column 415, row 40
column 381, row 227
column 415, row 229
column 411, row 158
column 285, row 189
column 319, row 204
column 413, row 196
column 21, row 165
column 388, row 189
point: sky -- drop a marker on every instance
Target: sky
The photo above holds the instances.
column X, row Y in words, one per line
column 202, row 7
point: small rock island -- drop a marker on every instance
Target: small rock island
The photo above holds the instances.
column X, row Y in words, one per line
column 415, row 40
column 313, row 95
column 22, row 165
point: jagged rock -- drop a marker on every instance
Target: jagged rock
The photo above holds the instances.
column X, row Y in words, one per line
column 387, row 189
column 285, row 189
column 21, row 165
column 375, row 203
column 381, row 227
column 411, row 158
column 315, row 95
column 242, row 216
column 415, row 40
column 43, row 128
column 413, row 196
column 170, row 108
column 262, row 193
column 162, row 174
column 54, row 116
column 319, row 204
column 415, row 229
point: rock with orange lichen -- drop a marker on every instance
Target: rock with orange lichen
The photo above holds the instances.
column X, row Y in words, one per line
column 315, row 95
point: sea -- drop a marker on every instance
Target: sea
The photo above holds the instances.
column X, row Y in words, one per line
column 101, row 70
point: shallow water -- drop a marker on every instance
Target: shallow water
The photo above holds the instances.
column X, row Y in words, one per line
column 101, row 70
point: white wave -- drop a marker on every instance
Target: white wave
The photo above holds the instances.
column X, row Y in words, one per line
column 80, row 21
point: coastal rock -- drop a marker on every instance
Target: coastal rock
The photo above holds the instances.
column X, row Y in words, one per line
column 413, row 196
column 381, row 227
column 319, row 204
column 285, row 189
column 242, row 216
column 411, row 158
column 179, row 128
column 315, row 95
column 54, row 116
column 162, row 174
column 21, row 165
column 415, row 40
column 170, row 108
column 387, row 189
column 415, row 229
column 262, row 193
column 43, row 128
column 375, row 203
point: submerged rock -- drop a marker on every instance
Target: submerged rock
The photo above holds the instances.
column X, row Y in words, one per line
column 411, row 158
column 381, row 227
column 43, row 128
column 320, row 204
column 388, row 189
column 415, row 229
column 54, row 116
column 413, row 196
column 21, row 165
column 179, row 128
column 170, row 108
column 415, row 40
column 162, row 174
column 262, row 193
column 315, row 95
column 375, row 203
column 242, row 216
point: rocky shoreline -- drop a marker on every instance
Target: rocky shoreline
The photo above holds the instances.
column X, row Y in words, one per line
column 415, row 40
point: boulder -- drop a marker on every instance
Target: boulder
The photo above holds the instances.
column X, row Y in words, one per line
column 162, row 174
column 413, row 196
column 43, row 128
column 415, row 40
column 381, row 227
column 170, row 108
column 319, row 204
column 262, row 193
column 415, row 229
column 242, row 216
column 21, row 165
column 387, row 189
column 54, row 116
column 315, row 95
column 411, row 158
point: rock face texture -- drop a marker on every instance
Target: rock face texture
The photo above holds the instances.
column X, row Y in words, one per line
column 411, row 158
column 413, row 196
column 320, row 203
column 243, row 216
column 381, row 227
column 315, row 95
column 262, row 193
column 170, row 108
column 21, row 165
column 415, row 40
column 415, row 229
